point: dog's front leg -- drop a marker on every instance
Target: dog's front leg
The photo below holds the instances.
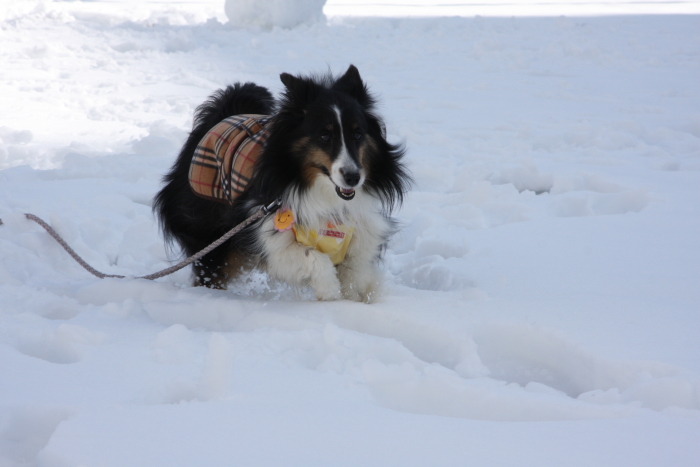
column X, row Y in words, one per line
column 296, row 264
column 360, row 278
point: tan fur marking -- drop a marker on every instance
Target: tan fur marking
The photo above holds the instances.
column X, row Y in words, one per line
column 300, row 146
column 313, row 159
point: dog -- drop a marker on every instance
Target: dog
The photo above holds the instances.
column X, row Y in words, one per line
column 322, row 151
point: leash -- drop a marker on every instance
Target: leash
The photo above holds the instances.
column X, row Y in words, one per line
column 263, row 211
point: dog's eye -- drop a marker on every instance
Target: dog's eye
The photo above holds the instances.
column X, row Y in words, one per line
column 325, row 137
column 357, row 135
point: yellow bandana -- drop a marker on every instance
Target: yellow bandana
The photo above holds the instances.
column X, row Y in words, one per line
column 332, row 240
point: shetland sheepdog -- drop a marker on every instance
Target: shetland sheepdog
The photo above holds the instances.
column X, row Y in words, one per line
column 326, row 157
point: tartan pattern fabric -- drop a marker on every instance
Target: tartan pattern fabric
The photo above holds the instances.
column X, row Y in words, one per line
column 223, row 162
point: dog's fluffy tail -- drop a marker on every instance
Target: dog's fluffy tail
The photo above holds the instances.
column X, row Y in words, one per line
column 248, row 98
column 175, row 201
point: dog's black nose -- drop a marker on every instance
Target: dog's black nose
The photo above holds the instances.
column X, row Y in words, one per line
column 351, row 177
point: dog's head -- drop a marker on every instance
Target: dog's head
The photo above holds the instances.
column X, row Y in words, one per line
column 335, row 133
column 333, row 137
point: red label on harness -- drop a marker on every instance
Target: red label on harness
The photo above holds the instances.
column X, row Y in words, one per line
column 333, row 233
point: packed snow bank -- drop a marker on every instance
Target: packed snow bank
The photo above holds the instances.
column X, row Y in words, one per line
column 269, row 14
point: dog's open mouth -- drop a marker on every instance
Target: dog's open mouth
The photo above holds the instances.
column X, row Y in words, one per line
column 346, row 193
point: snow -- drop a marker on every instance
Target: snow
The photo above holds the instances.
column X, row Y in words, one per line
column 541, row 299
column 268, row 14
column 508, row 8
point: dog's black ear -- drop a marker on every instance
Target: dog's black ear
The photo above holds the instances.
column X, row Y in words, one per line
column 351, row 77
column 288, row 80
column 351, row 83
column 298, row 94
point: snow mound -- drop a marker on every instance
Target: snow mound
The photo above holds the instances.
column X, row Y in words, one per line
column 268, row 14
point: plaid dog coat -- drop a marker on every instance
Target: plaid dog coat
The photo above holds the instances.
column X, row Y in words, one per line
column 223, row 162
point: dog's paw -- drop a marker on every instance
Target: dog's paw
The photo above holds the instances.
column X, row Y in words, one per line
column 366, row 295
column 362, row 287
column 323, row 277
column 327, row 288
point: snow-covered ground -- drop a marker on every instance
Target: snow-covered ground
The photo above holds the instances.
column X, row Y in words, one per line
column 542, row 301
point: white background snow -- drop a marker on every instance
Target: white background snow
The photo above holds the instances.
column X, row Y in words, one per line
column 542, row 301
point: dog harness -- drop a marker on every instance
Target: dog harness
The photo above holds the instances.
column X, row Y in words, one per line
column 223, row 161
column 333, row 240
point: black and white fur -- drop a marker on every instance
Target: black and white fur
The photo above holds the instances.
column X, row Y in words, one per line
column 326, row 158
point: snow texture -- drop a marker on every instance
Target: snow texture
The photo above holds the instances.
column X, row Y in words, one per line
column 541, row 304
